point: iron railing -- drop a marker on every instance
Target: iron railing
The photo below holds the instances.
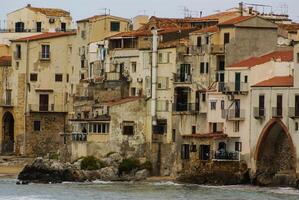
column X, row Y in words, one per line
column 233, row 87
column 293, row 112
column 182, row 78
column 259, row 112
column 227, row 155
column 45, row 56
column 186, row 107
column 47, row 108
column 233, row 114
column 277, row 112
column 217, row 49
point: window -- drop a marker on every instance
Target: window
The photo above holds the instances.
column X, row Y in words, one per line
column 17, row 65
column 18, row 52
column 202, row 67
column 38, row 27
column 102, row 128
column 297, row 57
column 83, row 34
column 67, row 78
column 199, row 41
column 238, row 146
column 236, row 126
column 114, row 26
column 222, row 105
column 8, row 97
column 82, row 76
column 279, row 105
column 245, row 79
column 63, row 26
column 33, row 77
column 162, row 83
column 36, row 126
column 207, row 68
column 133, row 91
column 213, row 105
column 161, row 127
column 82, row 63
column 226, row 38
column 185, row 151
column 133, row 65
column 19, row 27
column 193, row 148
column 207, row 39
column 193, row 129
column 296, row 126
column 203, row 97
column 163, row 57
column 173, row 135
column 58, row 77
column 261, row 105
column 296, row 105
column 128, row 128
column 45, row 52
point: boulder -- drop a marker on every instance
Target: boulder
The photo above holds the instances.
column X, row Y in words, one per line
column 141, row 174
column 50, row 171
column 113, row 159
column 108, row 173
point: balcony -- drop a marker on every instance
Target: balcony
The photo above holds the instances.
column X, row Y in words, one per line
column 233, row 87
column 182, row 78
column 112, row 76
column 258, row 112
column 293, row 112
column 227, row 155
column 6, row 102
column 277, row 112
column 217, row 49
column 233, row 114
column 186, row 107
column 44, row 56
column 47, row 108
column 79, row 137
column 194, row 49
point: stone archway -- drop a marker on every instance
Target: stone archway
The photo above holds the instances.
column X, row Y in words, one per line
column 8, row 133
column 275, row 155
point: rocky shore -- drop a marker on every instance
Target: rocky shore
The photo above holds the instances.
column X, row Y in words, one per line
column 113, row 168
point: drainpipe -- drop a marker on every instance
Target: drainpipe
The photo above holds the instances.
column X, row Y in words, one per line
column 26, row 96
column 154, row 76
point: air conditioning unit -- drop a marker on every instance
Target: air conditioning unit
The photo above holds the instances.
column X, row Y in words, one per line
column 51, row 20
column 139, row 80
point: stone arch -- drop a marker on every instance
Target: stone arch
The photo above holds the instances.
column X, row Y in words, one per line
column 8, row 133
column 275, row 151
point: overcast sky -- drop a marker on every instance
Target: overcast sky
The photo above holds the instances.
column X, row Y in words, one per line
column 130, row 8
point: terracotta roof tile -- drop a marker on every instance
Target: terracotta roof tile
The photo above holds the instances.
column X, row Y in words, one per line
column 5, row 61
column 277, row 81
column 44, row 36
column 50, row 11
column 292, row 28
column 285, row 56
column 95, row 17
column 235, row 20
column 211, row 29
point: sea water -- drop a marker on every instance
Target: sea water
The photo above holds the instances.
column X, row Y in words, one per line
column 139, row 190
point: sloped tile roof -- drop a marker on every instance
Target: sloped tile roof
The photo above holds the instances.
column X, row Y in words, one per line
column 284, row 56
column 292, row 28
column 95, row 17
column 211, row 29
column 277, row 81
column 5, row 61
column 55, row 12
column 122, row 101
column 44, row 36
column 235, row 20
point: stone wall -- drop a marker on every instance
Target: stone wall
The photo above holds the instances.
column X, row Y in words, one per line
column 47, row 140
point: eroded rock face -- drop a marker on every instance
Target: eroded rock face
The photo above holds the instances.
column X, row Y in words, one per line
column 108, row 173
column 141, row 174
column 50, row 171
column 113, row 159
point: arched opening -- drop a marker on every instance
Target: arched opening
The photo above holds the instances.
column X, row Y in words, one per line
column 8, row 133
column 275, row 154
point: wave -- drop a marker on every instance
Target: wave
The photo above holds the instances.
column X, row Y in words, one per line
column 166, row 183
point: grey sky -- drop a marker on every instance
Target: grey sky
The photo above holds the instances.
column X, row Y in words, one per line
column 131, row 8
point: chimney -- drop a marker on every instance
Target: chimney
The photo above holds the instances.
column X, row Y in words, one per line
column 200, row 14
column 241, row 8
column 29, row 5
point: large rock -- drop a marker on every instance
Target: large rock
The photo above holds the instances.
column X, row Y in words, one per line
column 113, row 159
column 109, row 173
column 46, row 171
column 141, row 174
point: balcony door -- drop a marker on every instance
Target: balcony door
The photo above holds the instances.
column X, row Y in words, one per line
column 261, row 105
column 237, row 108
column 237, row 81
column 185, row 72
column 279, row 105
column 43, row 102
